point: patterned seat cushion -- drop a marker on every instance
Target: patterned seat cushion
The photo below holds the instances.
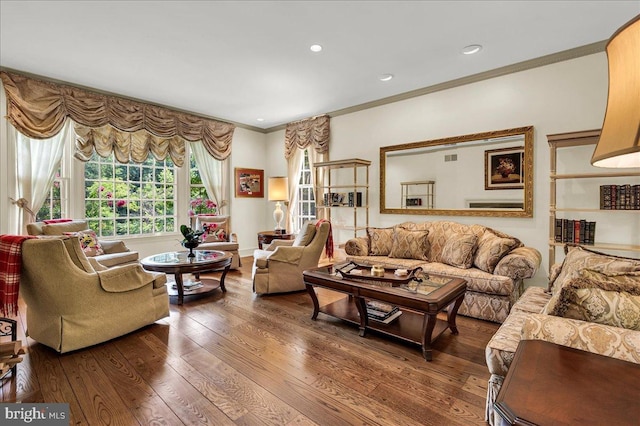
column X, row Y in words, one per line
column 477, row 280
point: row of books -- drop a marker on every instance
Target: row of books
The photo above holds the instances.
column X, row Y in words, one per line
column 620, row 197
column 382, row 312
column 575, row 231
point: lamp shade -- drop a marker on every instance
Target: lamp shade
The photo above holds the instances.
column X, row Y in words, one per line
column 619, row 143
column 278, row 188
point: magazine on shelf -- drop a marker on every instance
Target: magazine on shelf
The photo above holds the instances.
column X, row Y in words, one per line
column 382, row 312
column 389, row 319
column 189, row 285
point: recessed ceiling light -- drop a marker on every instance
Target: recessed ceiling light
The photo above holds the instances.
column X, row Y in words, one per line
column 471, row 49
column 315, row 48
column 386, row 77
column 260, row 119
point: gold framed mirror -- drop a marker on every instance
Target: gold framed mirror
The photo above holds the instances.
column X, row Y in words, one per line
column 482, row 174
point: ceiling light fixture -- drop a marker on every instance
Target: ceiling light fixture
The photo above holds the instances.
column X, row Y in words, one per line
column 386, row 77
column 315, row 48
column 471, row 49
column 260, row 119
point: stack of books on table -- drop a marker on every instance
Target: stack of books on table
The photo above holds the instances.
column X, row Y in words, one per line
column 189, row 285
column 382, row 312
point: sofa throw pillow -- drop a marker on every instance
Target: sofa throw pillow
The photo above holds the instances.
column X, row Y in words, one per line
column 579, row 258
column 88, row 241
column 459, row 249
column 214, row 232
column 380, row 241
column 409, row 244
column 588, row 298
column 492, row 248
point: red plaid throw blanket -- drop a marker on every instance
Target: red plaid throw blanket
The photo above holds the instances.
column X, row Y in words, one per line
column 10, row 265
column 328, row 247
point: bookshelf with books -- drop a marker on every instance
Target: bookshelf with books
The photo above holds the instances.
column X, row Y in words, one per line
column 582, row 196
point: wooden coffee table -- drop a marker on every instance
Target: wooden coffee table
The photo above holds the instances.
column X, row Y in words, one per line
column 179, row 263
column 417, row 324
column 549, row 384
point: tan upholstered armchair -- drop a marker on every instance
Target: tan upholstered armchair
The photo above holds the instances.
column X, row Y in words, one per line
column 74, row 302
column 219, row 236
column 278, row 269
column 112, row 253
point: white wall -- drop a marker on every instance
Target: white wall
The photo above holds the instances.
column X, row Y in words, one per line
column 562, row 97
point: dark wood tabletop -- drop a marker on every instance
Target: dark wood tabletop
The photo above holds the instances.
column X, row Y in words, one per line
column 549, row 384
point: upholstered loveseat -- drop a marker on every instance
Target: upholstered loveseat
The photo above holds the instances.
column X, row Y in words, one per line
column 592, row 304
column 493, row 263
column 106, row 252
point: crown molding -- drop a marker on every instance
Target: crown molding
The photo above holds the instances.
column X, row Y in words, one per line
column 553, row 58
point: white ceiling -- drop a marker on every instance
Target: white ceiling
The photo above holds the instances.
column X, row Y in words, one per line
column 240, row 61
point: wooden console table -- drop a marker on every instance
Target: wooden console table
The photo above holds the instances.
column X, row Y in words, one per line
column 549, row 384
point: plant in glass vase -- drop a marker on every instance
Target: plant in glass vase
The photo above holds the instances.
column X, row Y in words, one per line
column 191, row 238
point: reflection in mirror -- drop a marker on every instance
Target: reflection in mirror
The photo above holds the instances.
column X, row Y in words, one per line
column 484, row 174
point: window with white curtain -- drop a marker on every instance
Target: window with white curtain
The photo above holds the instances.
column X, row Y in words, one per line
column 56, row 204
column 306, row 200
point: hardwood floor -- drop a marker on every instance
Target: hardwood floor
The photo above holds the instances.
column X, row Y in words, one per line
column 239, row 359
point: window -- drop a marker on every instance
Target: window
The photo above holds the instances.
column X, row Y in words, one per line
column 196, row 188
column 54, row 206
column 130, row 199
column 305, row 198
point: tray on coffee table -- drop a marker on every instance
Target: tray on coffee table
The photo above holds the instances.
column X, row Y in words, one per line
column 389, row 277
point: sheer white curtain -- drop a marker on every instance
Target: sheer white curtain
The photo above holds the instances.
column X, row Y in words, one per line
column 317, row 157
column 294, row 164
column 37, row 161
column 213, row 173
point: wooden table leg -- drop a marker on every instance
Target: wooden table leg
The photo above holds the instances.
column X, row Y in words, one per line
column 428, row 324
column 224, row 274
column 451, row 315
column 314, row 299
column 362, row 310
column 178, row 278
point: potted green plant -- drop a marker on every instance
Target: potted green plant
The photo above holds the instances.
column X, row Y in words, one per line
column 191, row 238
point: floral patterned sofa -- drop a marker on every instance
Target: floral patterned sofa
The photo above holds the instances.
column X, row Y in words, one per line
column 592, row 304
column 493, row 263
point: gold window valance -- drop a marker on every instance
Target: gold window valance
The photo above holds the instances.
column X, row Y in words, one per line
column 301, row 134
column 39, row 109
column 126, row 146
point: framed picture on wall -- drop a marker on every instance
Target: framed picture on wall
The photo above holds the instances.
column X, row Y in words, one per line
column 249, row 182
column 503, row 168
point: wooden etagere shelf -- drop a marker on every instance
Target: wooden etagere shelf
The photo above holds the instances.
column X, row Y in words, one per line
column 557, row 143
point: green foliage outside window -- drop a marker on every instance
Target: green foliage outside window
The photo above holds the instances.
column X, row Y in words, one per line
column 130, row 199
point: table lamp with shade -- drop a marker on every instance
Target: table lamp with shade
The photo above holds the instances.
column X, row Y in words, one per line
column 619, row 143
column 278, row 192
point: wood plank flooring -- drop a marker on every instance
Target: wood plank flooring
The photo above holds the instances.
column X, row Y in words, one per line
column 239, row 359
